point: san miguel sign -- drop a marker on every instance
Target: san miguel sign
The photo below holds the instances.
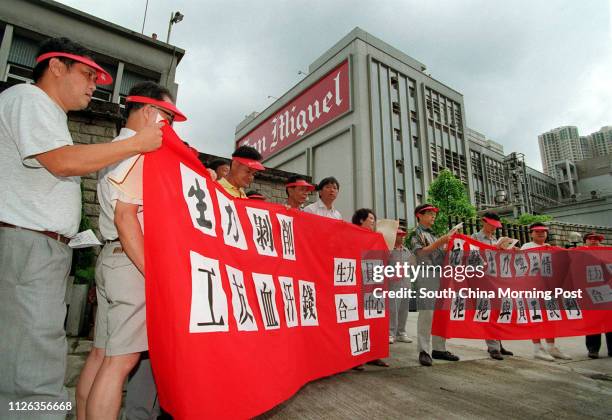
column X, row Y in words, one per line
column 321, row 103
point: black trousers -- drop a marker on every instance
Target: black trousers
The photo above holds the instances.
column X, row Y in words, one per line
column 593, row 342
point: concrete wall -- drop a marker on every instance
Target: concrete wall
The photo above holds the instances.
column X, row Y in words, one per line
column 596, row 212
column 559, row 232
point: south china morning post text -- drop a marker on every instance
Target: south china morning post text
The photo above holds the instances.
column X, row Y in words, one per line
column 459, row 273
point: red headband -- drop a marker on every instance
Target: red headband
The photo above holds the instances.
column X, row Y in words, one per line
column 257, row 197
column 493, row 222
column 251, row 163
column 540, row 228
column 300, row 183
column 595, row 236
column 168, row 106
column 401, row 232
column 432, row 208
column 103, row 77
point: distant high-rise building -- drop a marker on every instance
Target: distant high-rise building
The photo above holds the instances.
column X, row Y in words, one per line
column 564, row 144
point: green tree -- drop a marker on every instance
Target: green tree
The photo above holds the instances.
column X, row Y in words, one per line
column 527, row 219
column 451, row 197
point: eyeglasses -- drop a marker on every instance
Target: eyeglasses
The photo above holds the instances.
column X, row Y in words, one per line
column 165, row 114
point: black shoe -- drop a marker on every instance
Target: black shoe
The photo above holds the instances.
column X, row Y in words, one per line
column 506, row 352
column 444, row 355
column 593, row 354
column 424, row 358
column 496, row 354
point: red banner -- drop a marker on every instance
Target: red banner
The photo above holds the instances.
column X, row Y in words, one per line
column 318, row 105
column 542, row 292
column 247, row 301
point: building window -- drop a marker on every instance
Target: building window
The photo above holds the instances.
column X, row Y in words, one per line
column 397, row 134
column 19, row 74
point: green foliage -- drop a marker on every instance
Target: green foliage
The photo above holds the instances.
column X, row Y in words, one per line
column 527, row 219
column 84, row 259
column 450, row 196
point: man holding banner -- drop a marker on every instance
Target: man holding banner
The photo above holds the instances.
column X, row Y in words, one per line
column 120, row 332
column 429, row 251
column 245, row 164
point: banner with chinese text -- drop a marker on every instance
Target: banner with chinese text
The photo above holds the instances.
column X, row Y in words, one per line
column 247, row 301
column 541, row 292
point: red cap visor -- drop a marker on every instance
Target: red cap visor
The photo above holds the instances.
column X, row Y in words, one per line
column 429, row 208
column 168, row 106
column 539, row 228
column 595, row 237
column 493, row 222
column 251, row 163
column 300, row 183
column 401, row 232
column 103, row 77
column 257, row 197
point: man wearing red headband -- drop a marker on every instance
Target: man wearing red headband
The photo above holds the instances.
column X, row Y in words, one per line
column 429, row 251
column 40, row 211
column 490, row 223
column 297, row 189
column 539, row 233
column 399, row 306
column 121, row 334
column 245, row 164
column 593, row 342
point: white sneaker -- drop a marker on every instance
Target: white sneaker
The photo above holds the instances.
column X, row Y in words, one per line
column 541, row 354
column 391, row 339
column 556, row 353
column 404, row 338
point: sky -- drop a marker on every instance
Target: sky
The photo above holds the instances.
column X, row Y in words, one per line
column 523, row 66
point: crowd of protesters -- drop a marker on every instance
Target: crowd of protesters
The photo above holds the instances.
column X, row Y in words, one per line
column 40, row 212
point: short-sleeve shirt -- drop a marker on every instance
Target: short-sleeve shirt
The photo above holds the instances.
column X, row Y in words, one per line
column 319, row 208
column 422, row 238
column 480, row 236
column 530, row 245
column 31, row 123
column 231, row 190
column 108, row 194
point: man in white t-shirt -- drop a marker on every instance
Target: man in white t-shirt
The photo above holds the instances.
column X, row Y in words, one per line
column 120, row 332
column 539, row 233
column 40, row 211
column 328, row 192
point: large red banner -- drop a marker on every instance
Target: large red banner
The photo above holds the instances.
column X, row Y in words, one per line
column 247, row 301
column 324, row 101
column 542, row 292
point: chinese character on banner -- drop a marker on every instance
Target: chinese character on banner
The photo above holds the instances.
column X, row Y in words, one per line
column 491, row 263
column 600, row 294
column 346, row 308
column 262, row 231
column 546, row 265
column 233, row 234
column 572, row 310
column 288, row 292
column 474, row 257
column 208, row 303
column 483, row 310
column 552, row 310
column 266, row 296
column 287, row 240
column 198, row 200
column 360, row 339
column 520, row 265
column 535, row 313
column 521, row 309
column 344, row 272
column 243, row 314
column 534, row 263
column 505, row 314
column 308, row 304
column 594, row 273
column 458, row 309
column 456, row 253
column 373, row 307
column 504, row 263
column 367, row 270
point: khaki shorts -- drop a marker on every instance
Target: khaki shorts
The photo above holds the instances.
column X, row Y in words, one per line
column 121, row 318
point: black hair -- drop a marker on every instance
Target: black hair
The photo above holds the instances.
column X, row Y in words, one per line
column 536, row 224
column 148, row 89
column 62, row 44
column 255, row 192
column 326, row 181
column 362, row 214
column 492, row 215
column 294, row 178
column 216, row 163
column 247, row 152
column 586, row 235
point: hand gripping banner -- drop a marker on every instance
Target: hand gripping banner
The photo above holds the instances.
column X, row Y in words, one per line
column 247, row 301
column 543, row 292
